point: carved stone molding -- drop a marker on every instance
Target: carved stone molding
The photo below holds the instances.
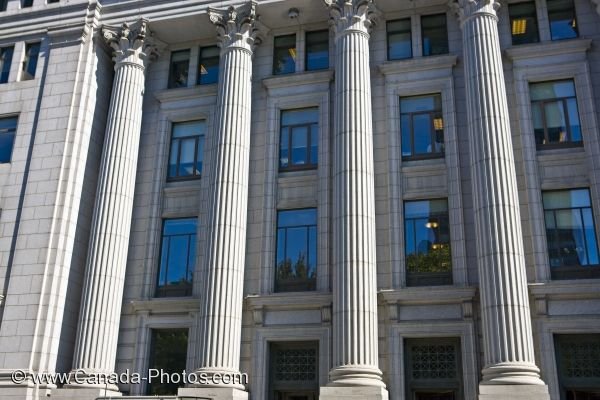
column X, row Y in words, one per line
column 466, row 9
column 236, row 27
column 132, row 43
column 352, row 15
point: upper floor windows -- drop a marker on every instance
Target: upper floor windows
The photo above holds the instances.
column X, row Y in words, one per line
column 8, row 129
column 26, row 3
column 422, row 126
column 523, row 23
column 299, row 138
column 177, row 258
column 563, row 22
column 32, row 51
column 3, row 4
column 296, row 263
column 555, row 114
column 570, row 233
column 208, row 65
column 434, row 34
column 284, row 55
column 6, row 54
column 317, row 50
column 187, row 148
column 399, row 40
column 180, row 65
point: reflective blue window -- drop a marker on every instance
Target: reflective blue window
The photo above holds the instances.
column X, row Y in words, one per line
column 434, row 34
column 284, row 55
column 179, row 70
column 296, row 250
column 32, row 51
column 317, row 50
column 422, row 126
column 299, row 139
column 187, row 148
column 523, row 23
column 563, row 22
column 6, row 54
column 208, row 66
column 399, row 39
column 177, row 257
column 8, row 129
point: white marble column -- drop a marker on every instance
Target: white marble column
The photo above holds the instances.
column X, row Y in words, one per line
column 509, row 370
column 98, row 330
column 222, row 273
column 355, row 355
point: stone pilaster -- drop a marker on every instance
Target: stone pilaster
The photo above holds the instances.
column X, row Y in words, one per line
column 222, row 273
column 98, row 329
column 507, row 335
column 355, row 354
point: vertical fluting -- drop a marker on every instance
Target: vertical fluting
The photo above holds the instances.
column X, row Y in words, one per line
column 355, row 355
column 98, row 329
column 220, row 320
column 507, row 334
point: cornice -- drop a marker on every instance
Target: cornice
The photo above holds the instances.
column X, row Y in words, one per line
column 429, row 295
column 577, row 289
column 418, row 64
column 548, row 49
column 165, row 305
column 289, row 301
column 297, row 79
column 187, row 93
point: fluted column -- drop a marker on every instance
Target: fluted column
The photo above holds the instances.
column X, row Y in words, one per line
column 355, row 355
column 507, row 335
column 220, row 321
column 98, row 329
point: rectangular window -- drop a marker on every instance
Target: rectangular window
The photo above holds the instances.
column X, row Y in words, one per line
column 6, row 54
column 177, row 258
column 8, row 129
column 187, row 147
column 578, row 359
column 563, row 22
column 296, row 261
column 434, row 34
column 3, row 4
column 168, row 352
column 299, row 139
column 523, row 22
column 180, row 65
column 32, row 51
column 294, row 371
column 53, row 1
column 555, row 114
column 26, row 3
column 433, row 369
column 571, row 234
column 317, row 50
column 208, row 66
column 427, row 243
column 284, row 55
column 422, row 127
column 399, row 39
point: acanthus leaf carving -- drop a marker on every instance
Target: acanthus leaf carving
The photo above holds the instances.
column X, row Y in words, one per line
column 236, row 27
column 465, row 9
column 352, row 15
column 132, row 43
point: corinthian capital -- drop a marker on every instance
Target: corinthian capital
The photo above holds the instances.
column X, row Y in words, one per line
column 466, row 9
column 131, row 43
column 351, row 15
column 235, row 26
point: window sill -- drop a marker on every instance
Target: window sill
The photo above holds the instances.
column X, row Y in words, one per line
column 567, row 289
column 418, row 64
column 164, row 305
column 186, row 93
column 548, row 49
column 298, row 79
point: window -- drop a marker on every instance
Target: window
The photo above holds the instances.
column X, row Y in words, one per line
column 177, row 258
column 8, row 129
column 555, row 114
column 3, row 4
column 427, row 243
column 571, row 235
column 284, row 55
column 294, row 371
column 299, row 139
column 53, row 1
column 208, row 65
column 187, row 146
column 296, row 250
column 563, row 22
column 32, row 51
column 523, row 23
column 433, row 369
column 168, row 352
column 6, row 54
column 434, row 34
column 422, row 126
column 578, row 359
column 399, row 41
column 317, row 50
column 178, row 72
column 26, row 3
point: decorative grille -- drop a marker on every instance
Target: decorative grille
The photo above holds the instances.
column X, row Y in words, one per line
column 581, row 360
column 433, row 361
column 296, row 364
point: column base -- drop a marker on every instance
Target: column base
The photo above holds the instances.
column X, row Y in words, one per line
column 213, row 393
column 513, row 392
column 83, row 393
column 353, row 393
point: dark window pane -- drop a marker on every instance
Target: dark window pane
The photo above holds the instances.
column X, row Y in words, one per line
column 399, row 39
column 180, row 65
column 3, row 4
column 178, row 257
column 32, row 51
column 26, row 3
column 317, row 50
column 299, row 139
column 284, row 55
column 6, row 54
column 578, row 365
column 434, row 34
column 168, row 352
column 208, row 70
column 8, row 129
column 422, row 126
column 563, row 22
column 187, row 146
column 293, row 370
column 523, row 22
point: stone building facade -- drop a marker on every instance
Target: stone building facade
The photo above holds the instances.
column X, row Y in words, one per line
column 342, row 199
